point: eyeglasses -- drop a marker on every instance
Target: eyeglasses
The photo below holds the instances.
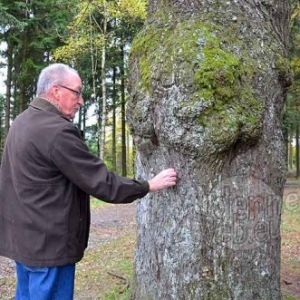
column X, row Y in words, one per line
column 78, row 94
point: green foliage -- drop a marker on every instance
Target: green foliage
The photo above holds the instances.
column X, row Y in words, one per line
column 8, row 21
column 86, row 31
column 91, row 138
column 95, row 203
column 29, row 45
column 291, row 116
column 292, row 112
column 133, row 9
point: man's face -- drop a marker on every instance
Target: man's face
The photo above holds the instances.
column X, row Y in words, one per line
column 69, row 96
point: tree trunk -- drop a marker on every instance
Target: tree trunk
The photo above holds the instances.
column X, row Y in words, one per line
column 114, row 121
column 8, row 85
column 123, row 114
column 208, row 84
column 23, row 96
column 2, row 125
column 94, row 65
column 291, row 137
column 102, row 129
column 297, row 152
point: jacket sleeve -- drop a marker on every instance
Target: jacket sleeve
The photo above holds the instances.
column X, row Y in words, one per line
column 72, row 157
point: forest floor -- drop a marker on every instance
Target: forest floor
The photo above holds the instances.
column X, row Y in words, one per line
column 105, row 271
column 290, row 240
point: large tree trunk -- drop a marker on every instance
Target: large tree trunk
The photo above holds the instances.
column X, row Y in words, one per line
column 208, row 83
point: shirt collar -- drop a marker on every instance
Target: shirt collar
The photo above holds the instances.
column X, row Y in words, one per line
column 46, row 105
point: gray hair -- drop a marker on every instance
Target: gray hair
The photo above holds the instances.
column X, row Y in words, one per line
column 53, row 74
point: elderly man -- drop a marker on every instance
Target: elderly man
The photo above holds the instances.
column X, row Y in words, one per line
column 47, row 174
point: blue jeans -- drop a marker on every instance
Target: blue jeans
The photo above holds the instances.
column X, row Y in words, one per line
column 55, row 283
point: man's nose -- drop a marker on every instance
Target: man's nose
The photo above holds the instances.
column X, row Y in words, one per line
column 81, row 100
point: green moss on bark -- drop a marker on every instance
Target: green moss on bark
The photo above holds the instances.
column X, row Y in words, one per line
column 213, row 69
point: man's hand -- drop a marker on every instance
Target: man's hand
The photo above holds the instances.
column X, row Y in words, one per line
column 162, row 180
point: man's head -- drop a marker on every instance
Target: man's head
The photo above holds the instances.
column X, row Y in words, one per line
column 62, row 85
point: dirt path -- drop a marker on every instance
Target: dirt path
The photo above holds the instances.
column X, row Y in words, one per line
column 110, row 222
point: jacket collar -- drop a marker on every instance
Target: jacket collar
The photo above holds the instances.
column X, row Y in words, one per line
column 46, row 105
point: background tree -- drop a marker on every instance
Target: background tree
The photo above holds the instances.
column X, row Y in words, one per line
column 2, row 122
column 292, row 111
column 208, row 83
column 30, row 31
column 101, row 33
column 7, row 20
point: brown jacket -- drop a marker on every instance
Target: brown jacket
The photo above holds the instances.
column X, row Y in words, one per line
column 46, row 177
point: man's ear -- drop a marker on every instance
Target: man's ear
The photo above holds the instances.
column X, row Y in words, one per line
column 56, row 91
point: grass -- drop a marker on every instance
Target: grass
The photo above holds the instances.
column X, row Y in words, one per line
column 95, row 203
column 290, row 244
column 106, row 271
column 287, row 296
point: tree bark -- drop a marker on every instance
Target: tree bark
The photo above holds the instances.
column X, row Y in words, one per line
column 103, row 117
column 114, row 121
column 8, row 86
column 123, row 116
column 208, row 84
column 102, row 131
column 297, row 151
column 23, row 95
column 291, row 150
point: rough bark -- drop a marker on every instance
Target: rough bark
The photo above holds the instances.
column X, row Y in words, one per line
column 208, row 83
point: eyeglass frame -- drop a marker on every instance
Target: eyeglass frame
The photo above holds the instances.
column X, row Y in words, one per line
column 77, row 93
